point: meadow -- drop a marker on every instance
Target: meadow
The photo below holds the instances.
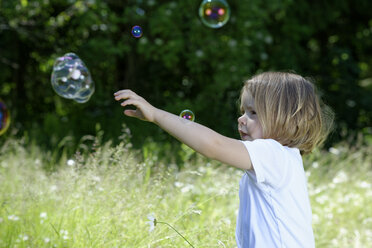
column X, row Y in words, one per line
column 101, row 197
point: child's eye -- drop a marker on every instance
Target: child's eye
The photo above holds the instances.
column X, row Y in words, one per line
column 253, row 112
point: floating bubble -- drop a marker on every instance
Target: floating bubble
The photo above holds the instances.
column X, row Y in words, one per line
column 188, row 115
column 137, row 31
column 214, row 13
column 71, row 78
column 4, row 117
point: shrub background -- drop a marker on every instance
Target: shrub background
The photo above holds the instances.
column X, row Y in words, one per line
column 178, row 63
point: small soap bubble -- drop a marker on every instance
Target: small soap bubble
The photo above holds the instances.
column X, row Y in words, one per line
column 214, row 13
column 187, row 114
column 137, row 31
column 4, row 117
column 71, row 78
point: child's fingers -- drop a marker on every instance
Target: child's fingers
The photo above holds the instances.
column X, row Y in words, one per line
column 130, row 112
column 120, row 92
column 124, row 94
column 130, row 102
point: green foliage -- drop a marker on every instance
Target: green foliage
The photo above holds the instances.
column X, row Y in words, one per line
column 178, row 63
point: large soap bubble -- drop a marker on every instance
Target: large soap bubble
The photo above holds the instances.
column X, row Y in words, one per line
column 4, row 117
column 214, row 13
column 71, row 78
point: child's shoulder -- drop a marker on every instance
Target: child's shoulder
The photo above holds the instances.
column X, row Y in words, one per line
column 270, row 148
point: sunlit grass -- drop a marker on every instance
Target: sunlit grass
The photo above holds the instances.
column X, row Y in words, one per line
column 102, row 197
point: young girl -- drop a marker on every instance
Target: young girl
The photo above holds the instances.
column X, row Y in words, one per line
column 281, row 119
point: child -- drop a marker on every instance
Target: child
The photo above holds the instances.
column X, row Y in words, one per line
column 281, row 119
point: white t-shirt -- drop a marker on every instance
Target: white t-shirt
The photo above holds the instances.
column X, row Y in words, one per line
column 274, row 206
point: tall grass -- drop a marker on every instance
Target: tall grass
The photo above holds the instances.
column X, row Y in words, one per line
column 101, row 198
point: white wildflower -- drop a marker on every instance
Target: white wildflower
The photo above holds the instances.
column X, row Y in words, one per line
column 364, row 185
column 315, row 165
column 199, row 53
column 96, row 179
column 315, row 218
column 13, row 217
column 43, row 215
column 151, row 222
column 196, row 211
column 187, row 188
column 70, row 162
column 221, row 243
column 64, row 234
column 268, row 39
column 334, row 151
column 321, row 199
column 340, row 177
column 53, row 188
column 178, row 184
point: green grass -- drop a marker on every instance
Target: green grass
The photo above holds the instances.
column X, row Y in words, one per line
column 104, row 197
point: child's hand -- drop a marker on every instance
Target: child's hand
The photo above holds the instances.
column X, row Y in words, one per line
column 145, row 111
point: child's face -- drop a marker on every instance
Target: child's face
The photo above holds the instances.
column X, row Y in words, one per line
column 248, row 124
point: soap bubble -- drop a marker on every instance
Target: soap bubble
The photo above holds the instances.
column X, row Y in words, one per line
column 187, row 114
column 4, row 117
column 137, row 31
column 214, row 13
column 71, row 78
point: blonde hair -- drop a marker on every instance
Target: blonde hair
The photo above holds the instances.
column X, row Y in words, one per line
column 289, row 110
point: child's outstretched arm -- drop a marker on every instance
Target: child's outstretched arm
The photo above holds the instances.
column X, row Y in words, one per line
column 200, row 138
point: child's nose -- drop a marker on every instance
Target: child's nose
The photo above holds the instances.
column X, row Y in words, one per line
column 242, row 120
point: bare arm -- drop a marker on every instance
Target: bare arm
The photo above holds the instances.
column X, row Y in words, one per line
column 200, row 138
